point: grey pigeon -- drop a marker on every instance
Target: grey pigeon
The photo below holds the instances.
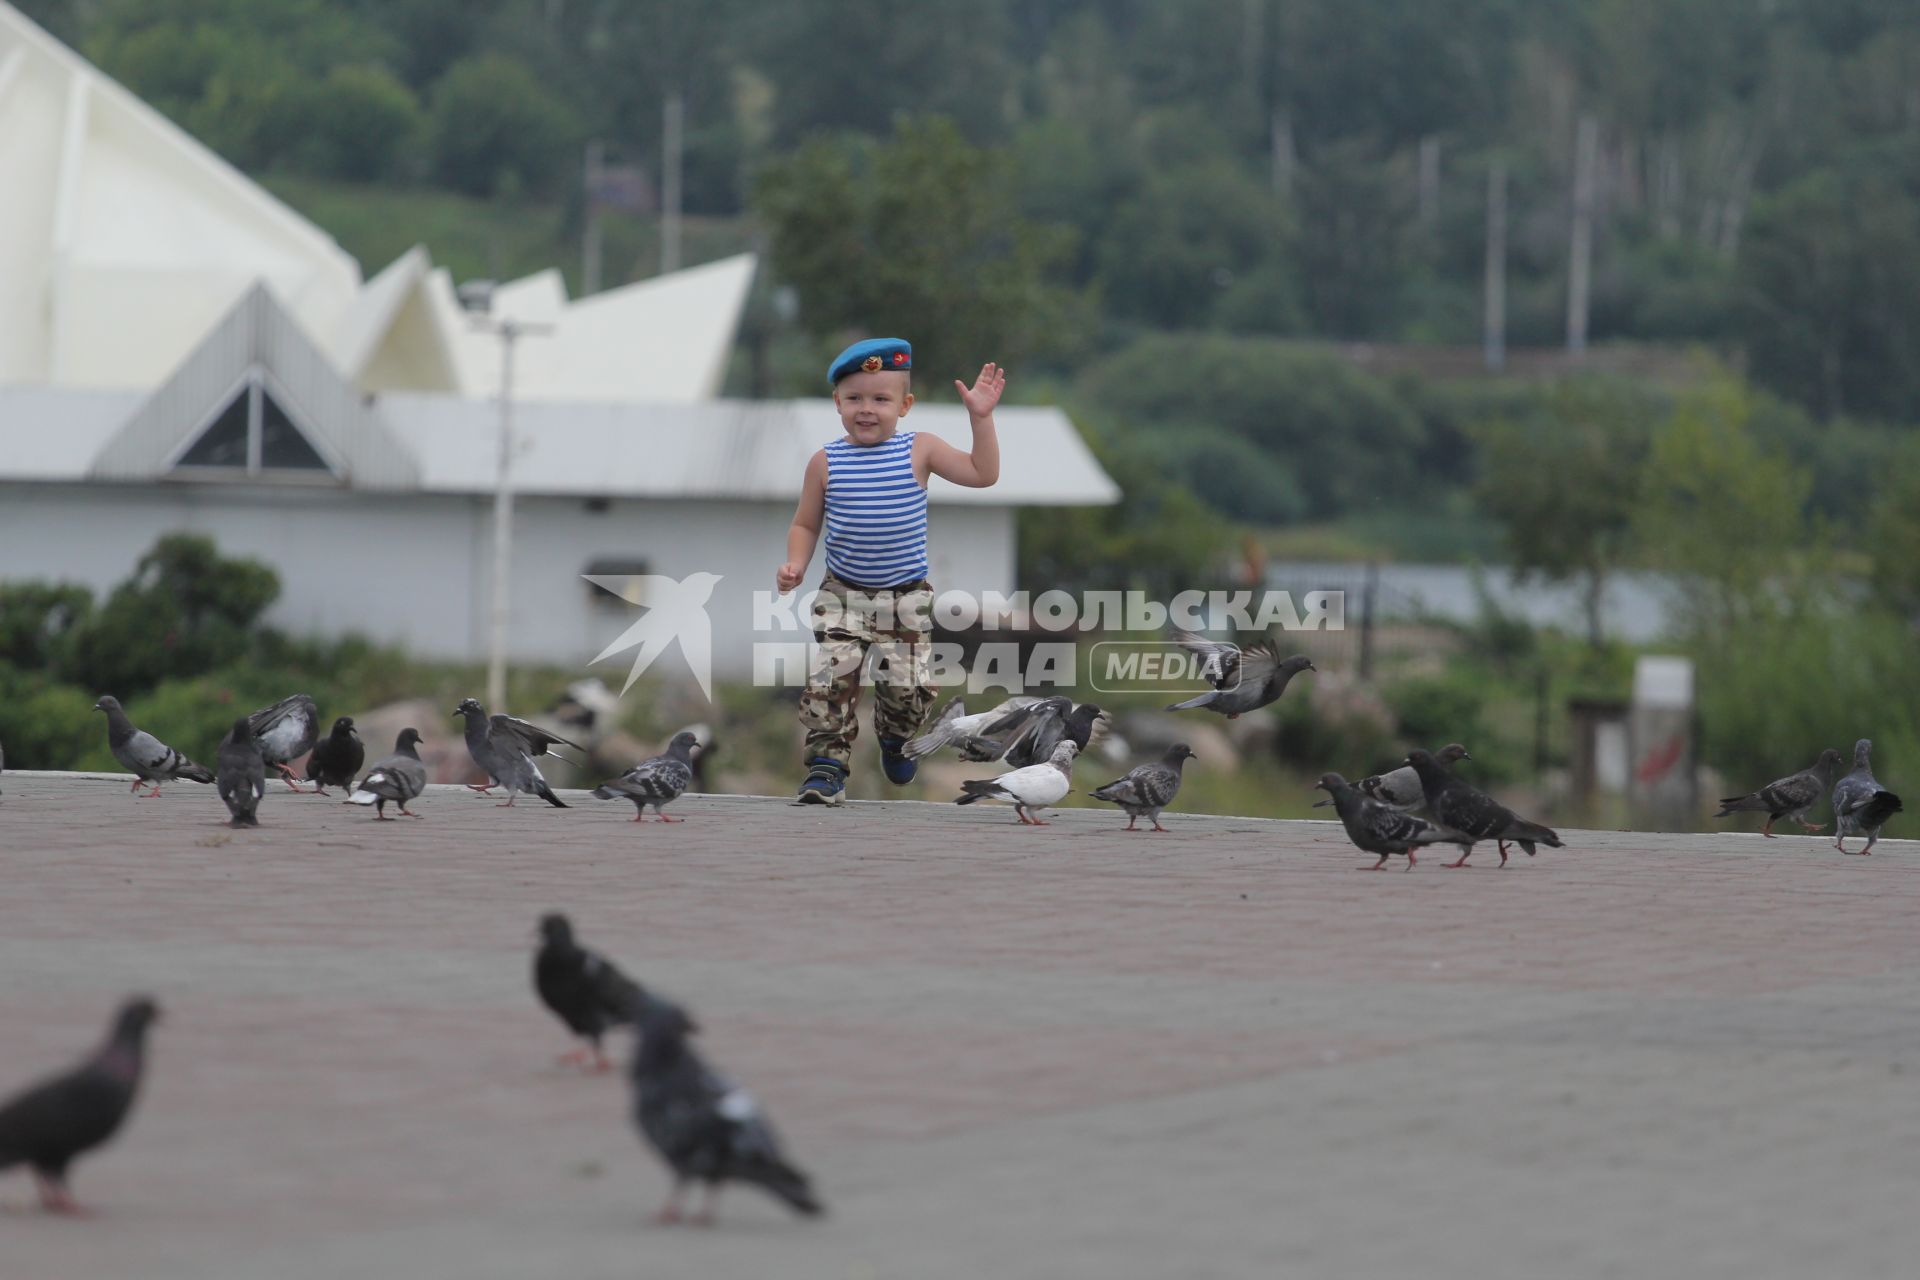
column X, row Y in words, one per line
column 953, row 727
column 336, row 758
column 707, row 1128
column 1455, row 805
column 1788, row 797
column 241, row 774
column 514, row 768
column 1037, row 786
column 287, row 730
column 657, row 780
column 1861, row 806
column 583, row 988
column 1147, row 789
column 398, row 777
column 1400, row 788
column 1243, row 680
column 60, row 1119
column 1380, row 828
column 1027, row 735
column 151, row 760
column 494, row 746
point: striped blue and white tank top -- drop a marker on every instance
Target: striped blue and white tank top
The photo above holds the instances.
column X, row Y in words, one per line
column 876, row 513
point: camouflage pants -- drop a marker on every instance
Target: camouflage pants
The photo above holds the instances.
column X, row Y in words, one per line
column 887, row 633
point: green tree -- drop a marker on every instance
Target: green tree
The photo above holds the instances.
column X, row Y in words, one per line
column 364, row 125
column 497, row 130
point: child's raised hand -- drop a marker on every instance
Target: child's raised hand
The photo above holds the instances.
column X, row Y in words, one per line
column 984, row 394
column 787, row 577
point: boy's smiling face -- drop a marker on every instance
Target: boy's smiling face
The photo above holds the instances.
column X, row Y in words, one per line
column 872, row 404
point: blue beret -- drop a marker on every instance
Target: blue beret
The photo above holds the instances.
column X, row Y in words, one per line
column 872, row 355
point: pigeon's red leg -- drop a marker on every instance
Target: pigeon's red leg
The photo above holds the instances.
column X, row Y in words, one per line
column 135, row 787
column 1410, row 859
column 670, row 1211
column 665, row 818
column 640, row 816
column 1767, row 830
column 1157, row 826
column 576, row 1057
column 1376, row 866
column 1131, row 819
column 1503, row 852
column 290, row 778
column 1461, row 863
column 1811, row 826
column 511, row 797
column 54, row 1196
column 709, row 1202
column 601, row 1062
column 474, row 786
column 1039, row 822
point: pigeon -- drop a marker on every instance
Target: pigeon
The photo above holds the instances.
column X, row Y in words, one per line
column 1243, row 680
column 954, row 727
column 1037, row 786
column 656, row 781
column 65, row 1116
column 1455, row 805
column 1376, row 827
column 151, row 760
column 582, row 987
column 707, row 1128
column 336, row 758
column 1860, row 805
column 1400, row 788
column 1147, row 788
column 398, row 777
column 1788, row 797
column 241, row 773
column 287, row 730
column 514, row 768
column 1029, row 734
column 492, row 746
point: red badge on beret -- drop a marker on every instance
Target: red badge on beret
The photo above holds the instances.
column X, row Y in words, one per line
column 871, row 364
column 899, row 357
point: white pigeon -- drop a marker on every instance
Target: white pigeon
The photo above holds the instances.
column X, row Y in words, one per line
column 1035, row 787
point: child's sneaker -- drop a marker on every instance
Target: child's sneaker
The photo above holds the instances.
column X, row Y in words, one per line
column 899, row 769
column 826, row 782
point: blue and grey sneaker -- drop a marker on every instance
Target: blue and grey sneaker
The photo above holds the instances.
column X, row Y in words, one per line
column 899, row 769
column 826, row 782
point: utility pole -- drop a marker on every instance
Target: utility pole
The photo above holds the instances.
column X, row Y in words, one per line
column 1494, row 313
column 591, row 247
column 672, row 144
column 1586, row 150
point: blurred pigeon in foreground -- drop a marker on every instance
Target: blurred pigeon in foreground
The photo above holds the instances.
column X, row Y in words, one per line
column 1455, row 805
column 1788, row 797
column 582, row 988
column 1400, row 788
column 1243, row 680
column 241, row 774
column 1029, row 734
column 707, row 1128
column 151, row 760
column 513, row 768
column 336, row 758
column 398, row 777
column 61, row 1118
column 287, row 730
column 493, row 745
column 657, row 780
column 1147, row 788
column 955, row 728
column 1035, row 787
column 1380, row 828
column 1860, row 805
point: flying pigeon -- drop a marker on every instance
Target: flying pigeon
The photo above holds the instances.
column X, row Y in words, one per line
column 398, row 777
column 1037, row 786
column 1380, row 828
column 1788, row 797
column 1147, row 788
column 241, row 774
column 707, row 1128
column 656, row 781
column 954, row 727
column 1400, row 788
column 1029, row 734
column 1458, row 807
column 287, row 730
column 65, row 1116
column 336, row 758
column 582, row 987
column 1860, row 805
column 1243, row 680
column 513, row 767
column 493, row 746
column 151, row 760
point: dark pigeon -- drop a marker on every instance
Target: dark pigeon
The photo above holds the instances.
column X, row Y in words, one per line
column 1147, row 788
column 494, row 747
column 241, row 774
column 708, row 1129
column 287, row 730
column 657, row 780
column 1027, row 735
column 1243, row 680
column 953, row 727
column 1400, row 788
column 1381, row 829
column 583, row 988
column 514, row 769
column 398, row 777
column 1788, row 797
column 54, row 1122
column 1861, row 806
column 336, row 758
column 1455, row 805
column 151, row 760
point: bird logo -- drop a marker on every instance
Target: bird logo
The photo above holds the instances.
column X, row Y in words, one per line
column 676, row 609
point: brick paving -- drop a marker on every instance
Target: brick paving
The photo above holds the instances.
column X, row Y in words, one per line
column 1003, row 1052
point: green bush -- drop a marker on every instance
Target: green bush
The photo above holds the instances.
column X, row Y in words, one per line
column 497, row 130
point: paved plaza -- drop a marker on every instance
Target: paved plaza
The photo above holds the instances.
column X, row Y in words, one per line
column 1002, row 1052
